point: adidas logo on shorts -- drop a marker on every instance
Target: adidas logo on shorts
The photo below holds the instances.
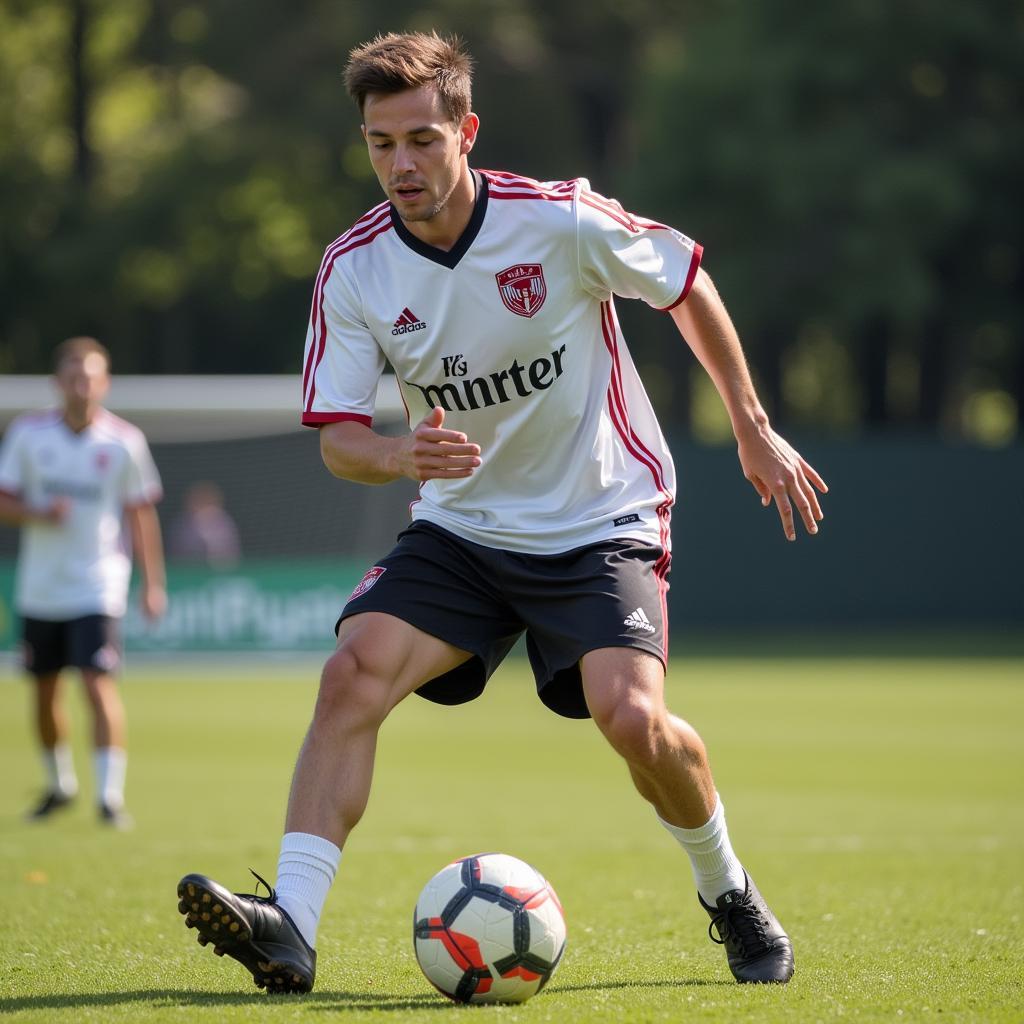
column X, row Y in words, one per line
column 638, row 620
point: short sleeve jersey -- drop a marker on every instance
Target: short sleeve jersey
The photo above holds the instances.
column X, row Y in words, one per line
column 514, row 333
column 81, row 566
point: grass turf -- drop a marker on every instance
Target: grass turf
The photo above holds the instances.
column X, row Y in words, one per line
column 877, row 803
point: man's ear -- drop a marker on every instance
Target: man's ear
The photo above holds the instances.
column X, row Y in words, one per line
column 468, row 131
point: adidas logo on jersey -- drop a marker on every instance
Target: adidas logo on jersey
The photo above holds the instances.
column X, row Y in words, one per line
column 638, row 620
column 407, row 322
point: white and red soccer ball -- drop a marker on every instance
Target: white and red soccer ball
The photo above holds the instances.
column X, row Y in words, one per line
column 488, row 929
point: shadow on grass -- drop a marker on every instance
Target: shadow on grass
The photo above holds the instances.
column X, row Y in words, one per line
column 187, row 997
column 601, row 986
column 333, row 1001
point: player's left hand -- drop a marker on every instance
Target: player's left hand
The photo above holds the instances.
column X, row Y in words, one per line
column 778, row 471
column 154, row 602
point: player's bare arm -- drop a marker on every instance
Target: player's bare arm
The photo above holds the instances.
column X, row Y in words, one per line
column 16, row 512
column 777, row 471
column 353, row 451
column 149, row 550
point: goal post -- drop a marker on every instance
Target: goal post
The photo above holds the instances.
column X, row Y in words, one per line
column 303, row 538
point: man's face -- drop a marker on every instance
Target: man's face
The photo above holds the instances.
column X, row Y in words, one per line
column 415, row 149
column 83, row 380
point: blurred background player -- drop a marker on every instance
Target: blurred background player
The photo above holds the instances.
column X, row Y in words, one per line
column 70, row 477
column 205, row 532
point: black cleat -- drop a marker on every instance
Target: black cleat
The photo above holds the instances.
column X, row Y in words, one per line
column 253, row 930
column 116, row 817
column 50, row 802
column 757, row 948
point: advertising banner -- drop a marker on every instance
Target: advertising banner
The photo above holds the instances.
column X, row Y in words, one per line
column 257, row 606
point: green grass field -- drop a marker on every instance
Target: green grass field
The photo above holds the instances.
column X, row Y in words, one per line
column 878, row 803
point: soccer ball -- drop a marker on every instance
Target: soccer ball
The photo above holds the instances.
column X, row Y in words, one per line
column 488, row 929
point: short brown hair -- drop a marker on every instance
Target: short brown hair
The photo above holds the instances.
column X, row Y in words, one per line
column 393, row 63
column 78, row 348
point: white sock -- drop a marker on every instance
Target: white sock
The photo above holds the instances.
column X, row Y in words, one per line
column 305, row 871
column 110, row 764
column 60, row 769
column 716, row 869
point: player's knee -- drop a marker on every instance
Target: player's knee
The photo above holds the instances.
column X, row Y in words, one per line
column 97, row 692
column 632, row 727
column 350, row 689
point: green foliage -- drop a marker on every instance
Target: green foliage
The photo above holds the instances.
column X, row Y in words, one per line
column 850, row 167
column 853, row 170
column 890, row 860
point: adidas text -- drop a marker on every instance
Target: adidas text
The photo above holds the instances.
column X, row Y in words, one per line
column 407, row 328
column 638, row 620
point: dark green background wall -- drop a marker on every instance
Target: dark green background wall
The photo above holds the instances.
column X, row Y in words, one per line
column 916, row 533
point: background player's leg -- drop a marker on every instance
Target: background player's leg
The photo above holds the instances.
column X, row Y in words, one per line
column 107, row 709
column 55, row 744
column 110, row 758
column 51, row 717
column 379, row 661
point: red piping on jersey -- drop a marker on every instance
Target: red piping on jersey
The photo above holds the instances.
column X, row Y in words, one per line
column 316, row 419
column 620, row 418
column 371, row 215
column 520, row 181
column 326, row 264
column 609, row 327
column 616, row 213
column 518, row 187
column 691, row 276
column 494, row 193
column 613, row 209
column 364, row 231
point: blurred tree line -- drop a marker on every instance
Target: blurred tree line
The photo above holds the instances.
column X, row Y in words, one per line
column 170, row 173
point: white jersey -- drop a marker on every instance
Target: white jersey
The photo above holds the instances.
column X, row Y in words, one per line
column 514, row 334
column 81, row 566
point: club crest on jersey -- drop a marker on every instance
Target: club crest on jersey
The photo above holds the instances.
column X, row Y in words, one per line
column 522, row 288
column 371, row 577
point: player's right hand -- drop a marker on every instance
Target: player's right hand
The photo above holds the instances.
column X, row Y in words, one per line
column 57, row 512
column 433, row 453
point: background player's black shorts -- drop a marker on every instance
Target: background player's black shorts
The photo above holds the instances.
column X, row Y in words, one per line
column 90, row 642
column 482, row 599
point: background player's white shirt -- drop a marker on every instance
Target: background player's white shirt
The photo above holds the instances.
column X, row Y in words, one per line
column 81, row 566
column 514, row 332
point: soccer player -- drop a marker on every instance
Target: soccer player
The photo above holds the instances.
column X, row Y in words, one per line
column 68, row 477
column 546, row 487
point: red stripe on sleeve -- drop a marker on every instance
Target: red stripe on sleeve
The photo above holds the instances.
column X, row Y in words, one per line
column 698, row 252
column 318, row 419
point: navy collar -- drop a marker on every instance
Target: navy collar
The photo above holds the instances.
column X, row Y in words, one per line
column 451, row 258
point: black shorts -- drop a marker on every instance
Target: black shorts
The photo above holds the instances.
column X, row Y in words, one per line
column 90, row 642
column 482, row 599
